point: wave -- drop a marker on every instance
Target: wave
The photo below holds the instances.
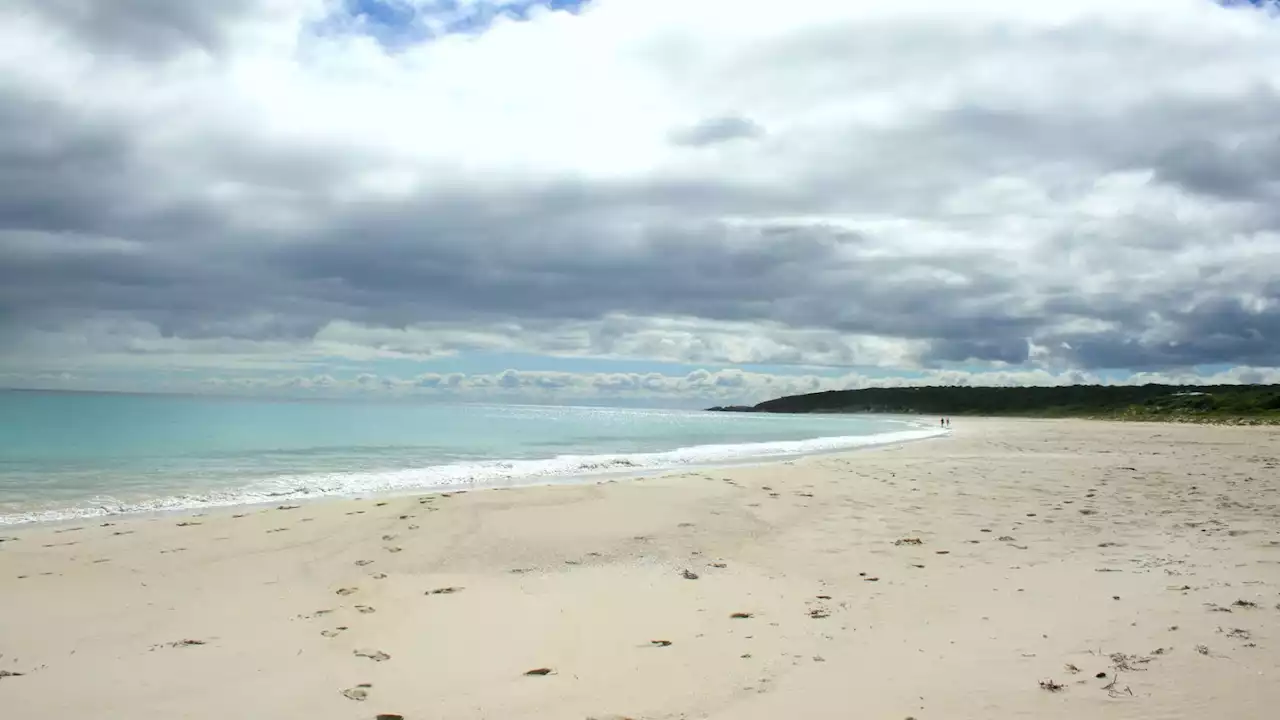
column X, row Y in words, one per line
column 470, row 475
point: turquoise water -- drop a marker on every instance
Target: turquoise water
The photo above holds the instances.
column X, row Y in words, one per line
column 65, row 455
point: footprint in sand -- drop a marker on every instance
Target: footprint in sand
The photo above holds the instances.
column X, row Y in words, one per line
column 359, row 693
column 362, row 563
column 365, row 610
column 379, row 576
column 188, row 524
column 334, row 632
column 277, row 530
column 347, row 591
column 388, row 538
column 444, row 591
column 123, row 532
column 393, row 549
column 374, row 655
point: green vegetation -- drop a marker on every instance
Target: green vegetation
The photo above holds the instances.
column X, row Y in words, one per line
column 1246, row 404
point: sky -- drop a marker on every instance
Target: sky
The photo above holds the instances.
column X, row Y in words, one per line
column 665, row 202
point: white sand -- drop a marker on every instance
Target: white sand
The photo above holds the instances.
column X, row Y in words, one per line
column 1109, row 522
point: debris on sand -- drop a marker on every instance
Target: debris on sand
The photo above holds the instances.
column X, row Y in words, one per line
column 1121, row 661
column 1051, row 686
column 359, row 693
column 909, row 541
column 1202, row 649
column 445, row 591
column 741, row 616
column 1071, row 668
column 179, row 644
column 10, row 673
column 660, row 643
column 689, row 575
column 1112, row 687
column 1249, row 604
column 538, row 672
column 1005, row 538
column 188, row 523
column 819, row 613
column 288, row 507
column 365, row 610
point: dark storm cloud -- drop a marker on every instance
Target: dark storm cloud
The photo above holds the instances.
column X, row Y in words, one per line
column 716, row 130
column 1249, row 168
column 145, row 29
column 59, row 171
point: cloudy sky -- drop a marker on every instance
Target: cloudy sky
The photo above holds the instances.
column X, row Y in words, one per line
column 657, row 201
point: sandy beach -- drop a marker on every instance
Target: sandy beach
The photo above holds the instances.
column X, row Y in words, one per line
column 1018, row 569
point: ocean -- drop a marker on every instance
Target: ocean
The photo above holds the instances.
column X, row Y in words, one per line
column 79, row 455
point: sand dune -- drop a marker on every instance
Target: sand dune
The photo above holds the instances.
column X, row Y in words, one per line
column 1019, row 569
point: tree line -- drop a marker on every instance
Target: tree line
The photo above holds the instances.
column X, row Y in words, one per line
column 1259, row 403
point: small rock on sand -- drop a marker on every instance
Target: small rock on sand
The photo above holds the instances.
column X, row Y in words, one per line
column 538, row 672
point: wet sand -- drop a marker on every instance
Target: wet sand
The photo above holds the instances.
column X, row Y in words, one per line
column 1019, row 569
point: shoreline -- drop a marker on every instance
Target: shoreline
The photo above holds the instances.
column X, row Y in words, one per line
column 943, row 579
column 585, row 478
